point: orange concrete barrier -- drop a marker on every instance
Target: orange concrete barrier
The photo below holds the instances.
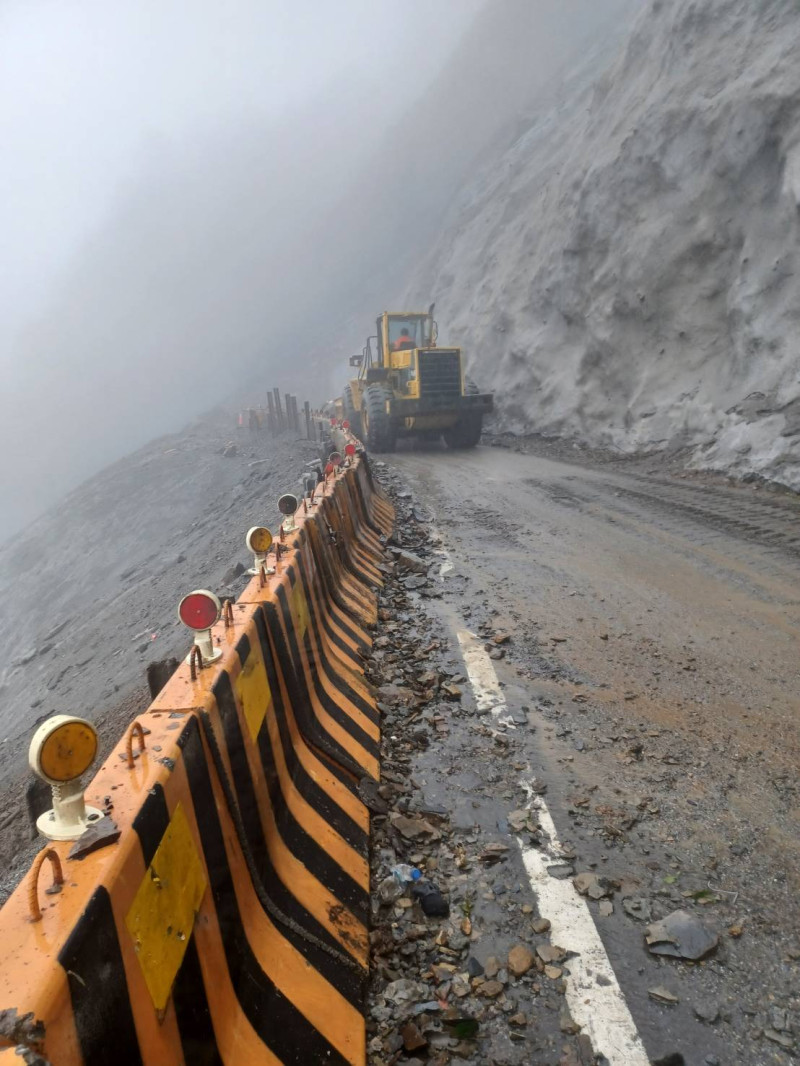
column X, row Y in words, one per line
column 228, row 923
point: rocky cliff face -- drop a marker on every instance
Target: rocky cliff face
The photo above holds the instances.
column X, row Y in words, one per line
column 626, row 271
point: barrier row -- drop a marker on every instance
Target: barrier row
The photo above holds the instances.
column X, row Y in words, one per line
column 229, row 921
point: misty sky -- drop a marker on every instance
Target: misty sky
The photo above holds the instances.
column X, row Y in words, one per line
column 124, row 127
column 86, row 87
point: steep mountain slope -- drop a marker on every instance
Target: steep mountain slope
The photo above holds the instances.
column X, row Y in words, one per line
column 626, row 271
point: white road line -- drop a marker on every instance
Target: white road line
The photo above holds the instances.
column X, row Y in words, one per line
column 488, row 694
column 483, row 679
column 446, row 566
column 447, row 562
column 595, row 999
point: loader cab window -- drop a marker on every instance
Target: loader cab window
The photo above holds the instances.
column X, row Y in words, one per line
column 409, row 332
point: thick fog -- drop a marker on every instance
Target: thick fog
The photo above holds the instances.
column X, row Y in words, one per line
column 194, row 195
column 160, row 161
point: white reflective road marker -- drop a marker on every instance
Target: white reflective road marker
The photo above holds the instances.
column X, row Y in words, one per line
column 593, row 993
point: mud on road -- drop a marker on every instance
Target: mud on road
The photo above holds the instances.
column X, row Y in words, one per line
column 650, row 685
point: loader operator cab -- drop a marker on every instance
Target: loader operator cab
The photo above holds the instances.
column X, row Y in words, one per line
column 404, row 341
column 406, row 332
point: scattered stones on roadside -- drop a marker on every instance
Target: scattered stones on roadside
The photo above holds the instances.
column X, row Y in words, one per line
column 680, row 935
column 520, row 960
column 232, row 573
column 662, row 995
column 415, row 581
column 567, row 1024
column 405, row 560
column 779, row 1019
column 540, row 925
column 561, row 871
column 589, row 884
column 413, row 1040
column 638, row 908
column 550, row 953
column 522, row 819
column 783, row 1040
column 413, row 828
column 706, row 1012
column 493, row 853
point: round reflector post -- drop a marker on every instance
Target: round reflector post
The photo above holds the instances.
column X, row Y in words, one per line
column 345, row 424
column 349, row 450
column 335, row 458
column 199, row 611
column 287, row 505
column 259, row 541
column 333, row 421
column 61, row 750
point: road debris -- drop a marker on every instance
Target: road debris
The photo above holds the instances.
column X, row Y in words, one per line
column 682, row 936
column 662, row 995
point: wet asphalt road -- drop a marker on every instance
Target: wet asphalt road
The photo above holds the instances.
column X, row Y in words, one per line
column 654, row 624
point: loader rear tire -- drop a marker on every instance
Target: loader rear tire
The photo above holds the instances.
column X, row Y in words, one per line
column 350, row 413
column 379, row 433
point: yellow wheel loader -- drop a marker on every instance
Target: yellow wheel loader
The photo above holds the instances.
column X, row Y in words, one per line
column 408, row 386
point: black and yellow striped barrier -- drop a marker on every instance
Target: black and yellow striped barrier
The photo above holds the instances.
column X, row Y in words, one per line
column 229, row 922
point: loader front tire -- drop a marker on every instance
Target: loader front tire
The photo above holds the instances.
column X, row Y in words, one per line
column 379, row 433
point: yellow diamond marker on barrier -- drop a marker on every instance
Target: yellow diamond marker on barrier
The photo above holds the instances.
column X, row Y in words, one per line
column 300, row 611
column 161, row 918
column 252, row 688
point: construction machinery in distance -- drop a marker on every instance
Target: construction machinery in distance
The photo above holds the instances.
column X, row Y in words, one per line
column 408, row 386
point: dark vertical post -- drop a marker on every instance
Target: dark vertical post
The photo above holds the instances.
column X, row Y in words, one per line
column 295, row 414
column 271, row 405
column 307, row 412
column 279, row 410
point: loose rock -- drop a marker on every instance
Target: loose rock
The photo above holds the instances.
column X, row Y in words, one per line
column 520, row 960
column 681, row 935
